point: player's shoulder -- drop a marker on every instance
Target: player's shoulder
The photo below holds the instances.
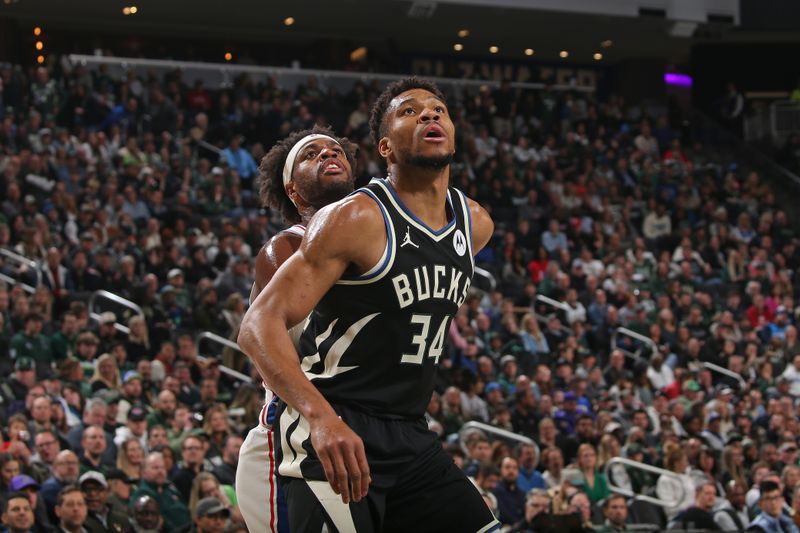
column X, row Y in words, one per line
column 356, row 212
column 482, row 224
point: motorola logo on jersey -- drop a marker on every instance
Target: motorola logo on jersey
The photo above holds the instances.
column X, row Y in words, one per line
column 460, row 242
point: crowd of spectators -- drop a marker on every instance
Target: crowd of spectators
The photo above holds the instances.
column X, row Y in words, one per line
column 142, row 185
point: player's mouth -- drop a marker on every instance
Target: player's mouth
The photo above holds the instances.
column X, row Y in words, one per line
column 331, row 166
column 434, row 133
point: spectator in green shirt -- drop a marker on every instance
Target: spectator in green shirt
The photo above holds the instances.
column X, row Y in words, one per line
column 31, row 343
column 155, row 484
column 64, row 342
column 595, row 484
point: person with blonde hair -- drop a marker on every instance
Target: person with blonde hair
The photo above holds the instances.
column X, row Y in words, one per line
column 532, row 337
column 130, row 458
column 106, row 374
column 206, row 485
column 595, row 484
column 681, row 489
column 217, row 426
column 138, row 343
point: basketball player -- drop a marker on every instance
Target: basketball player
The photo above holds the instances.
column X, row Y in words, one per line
column 298, row 176
column 384, row 272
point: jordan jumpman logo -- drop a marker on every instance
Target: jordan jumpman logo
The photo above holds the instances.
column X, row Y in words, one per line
column 407, row 239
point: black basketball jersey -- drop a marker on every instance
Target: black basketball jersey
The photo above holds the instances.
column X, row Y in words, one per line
column 373, row 342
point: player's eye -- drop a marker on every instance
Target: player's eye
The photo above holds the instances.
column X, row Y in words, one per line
column 439, row 109
column 311, row 154
column 408, row 111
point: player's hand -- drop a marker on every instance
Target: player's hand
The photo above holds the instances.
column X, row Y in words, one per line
column 343, row 458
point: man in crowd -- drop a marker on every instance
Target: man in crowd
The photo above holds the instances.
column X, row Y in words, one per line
column 156, row 485
column 71, row 510
column 17, row 513
column 102, row 517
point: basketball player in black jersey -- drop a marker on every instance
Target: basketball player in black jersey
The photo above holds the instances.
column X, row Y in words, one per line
column 299, row 175
column 384, row 272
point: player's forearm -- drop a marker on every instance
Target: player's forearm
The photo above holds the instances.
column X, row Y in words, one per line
column 265, row 339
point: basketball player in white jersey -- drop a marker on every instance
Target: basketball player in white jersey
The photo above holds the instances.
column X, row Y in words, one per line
column 301, row 174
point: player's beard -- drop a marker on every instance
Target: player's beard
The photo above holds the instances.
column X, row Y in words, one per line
column 321, row 196
column 432, row 162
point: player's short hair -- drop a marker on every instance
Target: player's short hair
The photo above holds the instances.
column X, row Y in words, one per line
column 269, row 182
column 377, row 124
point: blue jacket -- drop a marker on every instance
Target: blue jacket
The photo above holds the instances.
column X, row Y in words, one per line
column 769, row 524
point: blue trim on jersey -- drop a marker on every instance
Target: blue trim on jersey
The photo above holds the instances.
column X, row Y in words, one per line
column 495, row 528
column 271, row 410
column 469, row 216
column 414, row 217
column 389, row 237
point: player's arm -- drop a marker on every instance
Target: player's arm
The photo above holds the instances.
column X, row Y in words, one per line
column 482, row 226
column 350, row 232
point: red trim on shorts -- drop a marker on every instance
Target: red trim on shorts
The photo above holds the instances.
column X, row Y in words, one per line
column 271, row 473
column 263, row 416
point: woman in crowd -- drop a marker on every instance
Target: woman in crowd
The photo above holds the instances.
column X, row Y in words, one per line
column 206, row 485
column 594, row 481
column 130, row 458
column 106, row 374
column 679, row 486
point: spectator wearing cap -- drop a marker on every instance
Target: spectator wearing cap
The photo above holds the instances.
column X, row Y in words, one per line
column 155, row 484
column 107, row 333
column 17, row 514
column 567, row 417
column 211, row 516
column 119, row 489
column 24, row 484
column 176, row 280
column 33, row 344
column 135, row 427
column 712, row 434
column 132, row 394
column 508, row 374
column 101, row 517
column 71, row 510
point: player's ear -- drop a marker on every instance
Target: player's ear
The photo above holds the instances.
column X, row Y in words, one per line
column 385, row 147
column 291, row 192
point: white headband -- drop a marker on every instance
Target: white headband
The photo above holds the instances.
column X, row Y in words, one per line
column 302, row 143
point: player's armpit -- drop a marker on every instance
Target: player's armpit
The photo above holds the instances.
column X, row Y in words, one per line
column 482, row 226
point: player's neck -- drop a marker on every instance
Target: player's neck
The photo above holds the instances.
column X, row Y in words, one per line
column 423, row 191
column 306, row 212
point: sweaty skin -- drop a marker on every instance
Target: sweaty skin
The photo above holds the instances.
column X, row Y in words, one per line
column 350, row 235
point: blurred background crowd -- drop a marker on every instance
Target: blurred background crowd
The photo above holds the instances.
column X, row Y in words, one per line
column 609, row 214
